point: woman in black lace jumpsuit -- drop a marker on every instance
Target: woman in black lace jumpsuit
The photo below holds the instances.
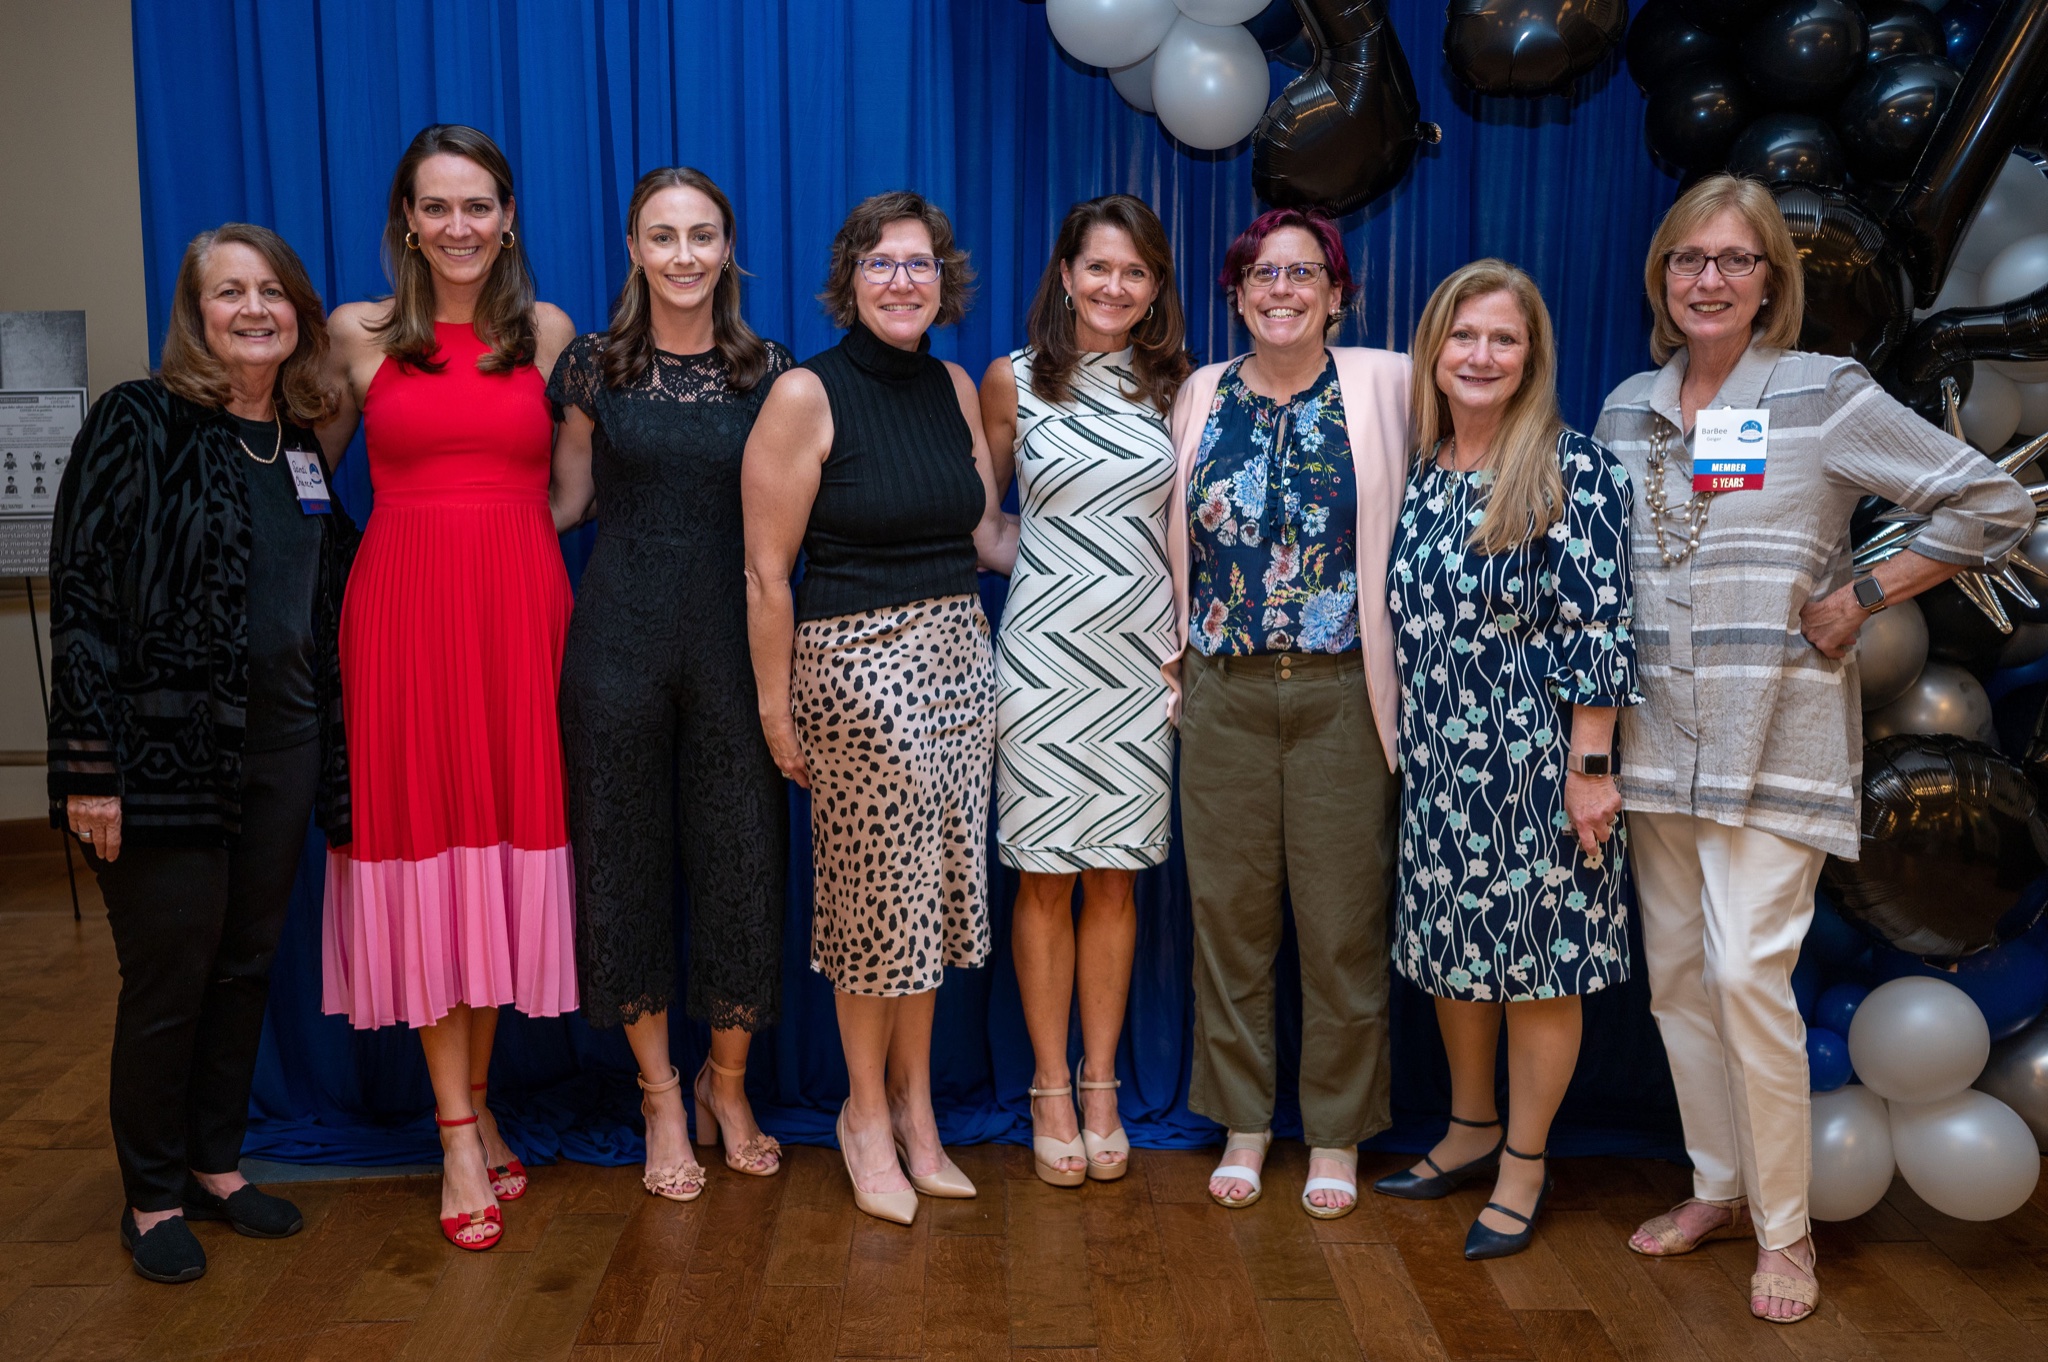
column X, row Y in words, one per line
column 662, row 739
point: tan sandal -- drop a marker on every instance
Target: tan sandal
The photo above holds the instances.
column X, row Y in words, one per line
column 676, row 1181
column 760, row 1154
column 1672, row 1240
column 1116, row 1142
column 1777, row 1286
column 1046, row 1152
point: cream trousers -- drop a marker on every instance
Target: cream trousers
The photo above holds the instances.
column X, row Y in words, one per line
column 1724, row 912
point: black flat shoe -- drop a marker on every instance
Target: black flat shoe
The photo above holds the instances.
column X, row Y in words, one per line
column 250, row 1210
column 1481, row 1242
column 168, row 1253
column 1413, row 1186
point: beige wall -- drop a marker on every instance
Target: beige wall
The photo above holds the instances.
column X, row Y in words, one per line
column 70, row 238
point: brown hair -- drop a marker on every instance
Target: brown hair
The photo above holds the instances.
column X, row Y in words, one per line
column 1158, row 354
column 1527, row 494
column 629, row 344
column 190, row 369
column 1778, row 318
column 864, row 227
column 504, row 311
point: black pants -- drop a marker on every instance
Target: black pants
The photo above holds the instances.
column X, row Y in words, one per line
column 194, row 929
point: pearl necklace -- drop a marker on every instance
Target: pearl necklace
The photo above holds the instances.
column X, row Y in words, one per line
column 1693, row 515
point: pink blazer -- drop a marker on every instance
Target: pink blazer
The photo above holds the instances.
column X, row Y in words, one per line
column 1374, row 384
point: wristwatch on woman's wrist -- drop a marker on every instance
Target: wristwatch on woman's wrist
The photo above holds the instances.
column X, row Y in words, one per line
column 1869, row 594
column 1590, row 763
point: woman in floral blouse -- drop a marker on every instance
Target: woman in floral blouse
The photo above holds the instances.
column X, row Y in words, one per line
column 1290, row 463
column 1511, row 605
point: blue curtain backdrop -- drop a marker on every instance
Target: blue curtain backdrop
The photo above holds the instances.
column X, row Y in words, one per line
column 293, row 112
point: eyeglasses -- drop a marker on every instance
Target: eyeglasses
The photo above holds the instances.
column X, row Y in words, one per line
column 880, row 269
column 1301, row 273
column 1732, row 264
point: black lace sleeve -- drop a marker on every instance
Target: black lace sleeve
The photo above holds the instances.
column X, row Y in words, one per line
column 578, row 375
column 779, row 361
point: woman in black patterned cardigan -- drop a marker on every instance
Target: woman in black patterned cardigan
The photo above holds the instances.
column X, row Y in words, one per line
column 196, row 574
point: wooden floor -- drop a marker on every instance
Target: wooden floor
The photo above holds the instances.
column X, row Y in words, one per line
column 594, row 1270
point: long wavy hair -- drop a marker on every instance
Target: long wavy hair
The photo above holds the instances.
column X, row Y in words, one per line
column 189, row 367
column 629, row 343
column 1158, row 354
column 1527, row 494
column 504, row 311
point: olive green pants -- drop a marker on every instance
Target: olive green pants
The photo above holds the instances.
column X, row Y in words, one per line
column 1284, row 789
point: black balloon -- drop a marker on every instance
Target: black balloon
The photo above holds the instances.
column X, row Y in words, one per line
column 1694, row 115
column 1958, row 632
column 1857, row 299
column 1946, row 344
column 1721, row 16
column 1992, row 109
column 1516, row 47
column 1800, row 54
column 1953, row 838
column 1963, row 25
column 1888, row 116
column 1663, row 39
column 1789, row 148
column 1346, row 130
column 1900, row 28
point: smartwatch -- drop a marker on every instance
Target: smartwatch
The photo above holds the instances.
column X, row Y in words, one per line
column 1590, row 763
column 1870, row 594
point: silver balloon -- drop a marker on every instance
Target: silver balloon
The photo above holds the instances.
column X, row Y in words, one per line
column 1991, row 413
column 2029, row 643
column 1210, row 84
column 1918, row 1040
column 1890, row 652
column 1109, row 32
column 1134, row 83
column 2017, row 1075
column 1942, row 699
column 1852, row 1153
column 1968, row 1155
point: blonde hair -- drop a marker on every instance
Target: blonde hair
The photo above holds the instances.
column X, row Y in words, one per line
column 1527, row 494
column 1779, row 318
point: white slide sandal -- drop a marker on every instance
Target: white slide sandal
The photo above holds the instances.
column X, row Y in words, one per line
column 1261, row 1141
column 1349, row 1186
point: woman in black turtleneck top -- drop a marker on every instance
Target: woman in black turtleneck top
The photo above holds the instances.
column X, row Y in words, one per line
column 876, row 680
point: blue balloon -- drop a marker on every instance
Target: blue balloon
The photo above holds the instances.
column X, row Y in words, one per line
column 1832, row 940
column 2009, row 984
column 1827, row 1059
column 1837, row 1007
column 1806, row 985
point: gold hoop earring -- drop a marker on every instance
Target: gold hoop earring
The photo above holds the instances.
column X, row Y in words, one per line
column 412, row 241
column 508, row 238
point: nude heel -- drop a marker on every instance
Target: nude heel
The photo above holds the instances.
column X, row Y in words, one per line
column 900, row 1207
column 760, row 1156
column 678, row 1182
column 1046, row 1152
column 1116, row 1142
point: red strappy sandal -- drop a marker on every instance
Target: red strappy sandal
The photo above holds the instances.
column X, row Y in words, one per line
column 508, row 1180
column 477, row 1230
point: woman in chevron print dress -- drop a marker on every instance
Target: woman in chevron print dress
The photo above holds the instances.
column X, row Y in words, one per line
column 1084, row 749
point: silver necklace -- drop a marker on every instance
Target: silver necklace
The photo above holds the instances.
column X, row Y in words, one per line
column 1693, row 515
column 274, row 449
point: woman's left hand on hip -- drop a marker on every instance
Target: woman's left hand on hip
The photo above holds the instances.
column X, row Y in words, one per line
column 1832, row 622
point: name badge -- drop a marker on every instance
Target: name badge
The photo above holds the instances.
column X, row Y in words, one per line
column 1728, row 448
column 309, row 481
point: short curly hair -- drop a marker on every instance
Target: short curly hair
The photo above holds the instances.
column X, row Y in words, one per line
column 861, row 231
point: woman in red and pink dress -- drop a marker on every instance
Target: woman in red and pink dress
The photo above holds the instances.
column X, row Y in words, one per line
column 454, row 899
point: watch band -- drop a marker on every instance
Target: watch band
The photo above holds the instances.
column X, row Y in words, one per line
column 1590, row 763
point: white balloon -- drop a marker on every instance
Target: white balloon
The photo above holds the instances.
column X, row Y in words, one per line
column 1991, row 413
column 2016, row 271
column 2023, row 370
column 1968, row 1155
column 1221, row 11
column 1942, row 698
column 2033, row 410
column 1918, row 1040
column 1852, row 1153
column 1960, row 289
column 2017, row 206
column 1210, row 84
column 1109, row 32
column 1134, row 83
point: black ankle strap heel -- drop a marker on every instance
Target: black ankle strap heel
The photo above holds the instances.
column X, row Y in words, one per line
column 1482, row 1242
column 1412, row 1186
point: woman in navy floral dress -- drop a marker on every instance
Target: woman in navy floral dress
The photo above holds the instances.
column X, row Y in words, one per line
column 1510, row 597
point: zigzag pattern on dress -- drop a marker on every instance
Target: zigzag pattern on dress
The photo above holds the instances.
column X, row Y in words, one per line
column 1084, row 755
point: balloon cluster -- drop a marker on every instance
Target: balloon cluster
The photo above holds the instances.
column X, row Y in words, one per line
column 1192, row 62
column 1884, row 129
column 1520, row 47
column 1893, row 1046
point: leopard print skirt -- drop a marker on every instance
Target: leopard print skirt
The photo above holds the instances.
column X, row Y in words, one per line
column 896, row 711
